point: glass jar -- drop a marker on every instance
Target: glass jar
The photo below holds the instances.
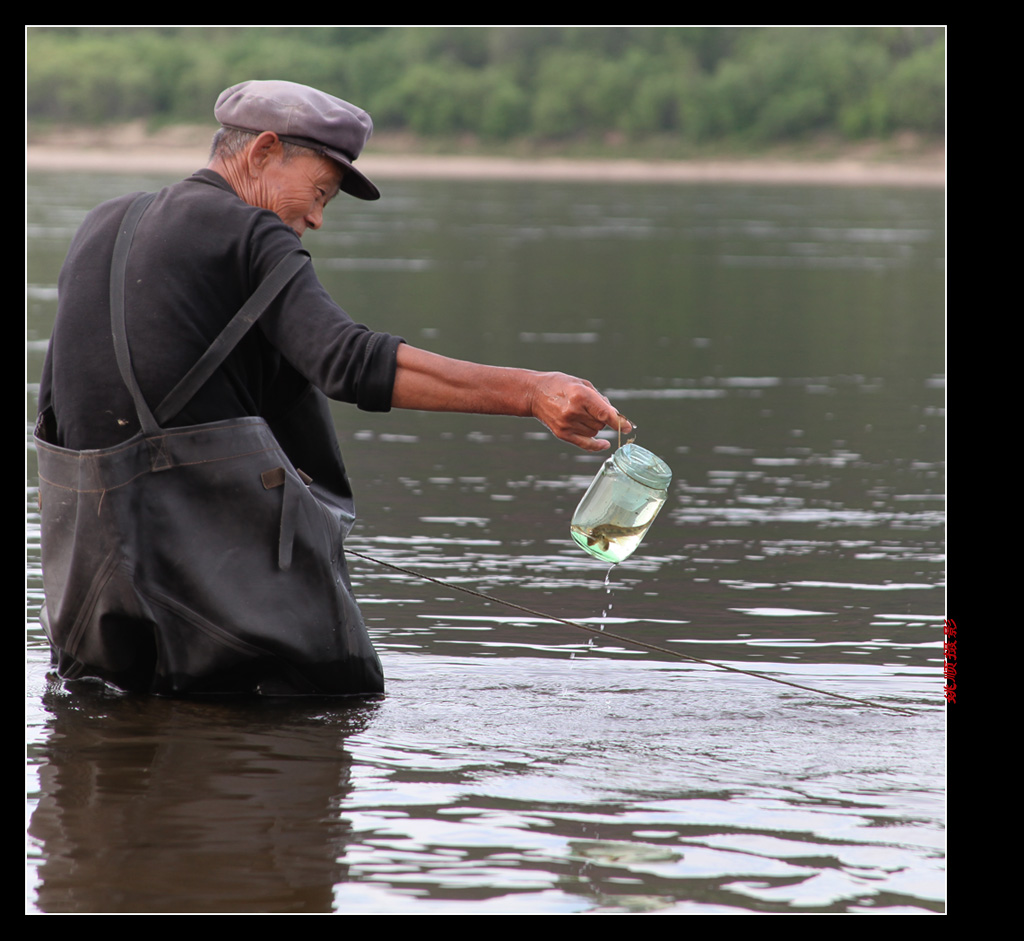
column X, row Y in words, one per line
column 621, row 503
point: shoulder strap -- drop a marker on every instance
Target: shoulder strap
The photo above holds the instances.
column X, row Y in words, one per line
column 117, row 315
column 229, row 337
column 218, row 351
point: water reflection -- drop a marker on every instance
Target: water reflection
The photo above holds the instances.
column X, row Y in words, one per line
column 155, row 805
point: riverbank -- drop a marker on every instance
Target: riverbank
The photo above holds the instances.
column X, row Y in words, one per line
column 130, row 149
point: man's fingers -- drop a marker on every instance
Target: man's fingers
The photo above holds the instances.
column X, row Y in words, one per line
column 587, row 444
column 576, row 412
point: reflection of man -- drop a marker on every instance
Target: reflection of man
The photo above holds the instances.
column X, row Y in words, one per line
column 201, row 249
column 232, row 811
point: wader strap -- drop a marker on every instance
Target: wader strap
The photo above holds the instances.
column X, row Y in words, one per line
column 278, row 477
column 238, row 326
column 219, row 350
column 117, row 316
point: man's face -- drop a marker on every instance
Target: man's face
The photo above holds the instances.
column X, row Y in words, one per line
column 298, row 189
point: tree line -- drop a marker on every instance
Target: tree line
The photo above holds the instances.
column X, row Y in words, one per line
column 749, row 86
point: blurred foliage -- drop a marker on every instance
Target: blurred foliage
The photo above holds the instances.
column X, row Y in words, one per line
column 741, row 85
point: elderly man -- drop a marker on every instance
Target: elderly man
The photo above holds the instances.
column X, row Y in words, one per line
column 154, row 581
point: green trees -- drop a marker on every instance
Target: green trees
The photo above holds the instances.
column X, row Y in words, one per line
column 743, row 85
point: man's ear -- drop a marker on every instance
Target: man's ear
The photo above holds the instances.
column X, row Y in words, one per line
column 262, row 149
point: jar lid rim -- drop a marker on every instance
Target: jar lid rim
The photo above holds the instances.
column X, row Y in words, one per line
column 643, row 465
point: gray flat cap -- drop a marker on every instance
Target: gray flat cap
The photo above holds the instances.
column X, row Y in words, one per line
column 302, row 115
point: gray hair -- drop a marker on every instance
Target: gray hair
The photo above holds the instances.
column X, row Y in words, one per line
column 231, row 141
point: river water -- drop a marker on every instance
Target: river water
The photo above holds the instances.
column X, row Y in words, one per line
column 783, row 350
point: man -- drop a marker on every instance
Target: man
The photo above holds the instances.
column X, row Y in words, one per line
column 200, row 250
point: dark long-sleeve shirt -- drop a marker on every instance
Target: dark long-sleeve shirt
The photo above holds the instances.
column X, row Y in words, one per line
column 198, row 254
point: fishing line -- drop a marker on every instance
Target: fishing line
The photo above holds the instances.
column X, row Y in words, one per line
column 627, row 640
column 631, row 437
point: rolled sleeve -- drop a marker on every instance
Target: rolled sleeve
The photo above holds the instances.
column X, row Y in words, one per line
column 377, row 379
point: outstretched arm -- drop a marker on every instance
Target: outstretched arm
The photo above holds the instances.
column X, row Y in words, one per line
column 571, row 408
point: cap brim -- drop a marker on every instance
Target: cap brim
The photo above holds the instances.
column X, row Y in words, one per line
column 353, row 182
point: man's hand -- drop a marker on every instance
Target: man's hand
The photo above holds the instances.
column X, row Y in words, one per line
column 575, row 411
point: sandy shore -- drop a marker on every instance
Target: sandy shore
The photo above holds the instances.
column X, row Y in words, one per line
column 139, row 154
